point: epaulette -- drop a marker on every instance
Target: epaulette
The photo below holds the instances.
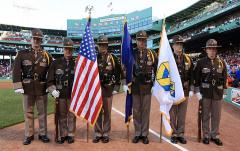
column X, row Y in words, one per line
column 112, row 59
column 152, row 55
column 188, row 59
column 45, row 54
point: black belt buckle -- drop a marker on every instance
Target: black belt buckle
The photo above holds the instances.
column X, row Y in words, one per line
column 35, row 76
column 213, row 82
column 65, row 83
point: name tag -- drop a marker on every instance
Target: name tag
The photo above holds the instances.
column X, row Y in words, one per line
column 205, row 70
column 25, row 81
column 43, row 64
column 205, row 85
column 27, row 63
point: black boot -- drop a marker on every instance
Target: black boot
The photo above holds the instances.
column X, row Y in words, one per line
column 96, row 139
column 105, row 139
column 217, row 141
column 182, row 140
column 174, row 139
column 70, row 139
column 28, row 140
column 136, row 139
column 43, row 138
column 61, row 140
column 145, row 140
column 205, row 140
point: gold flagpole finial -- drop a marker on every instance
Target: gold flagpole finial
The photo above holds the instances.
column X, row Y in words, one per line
column 125, row 19
column 89, row 9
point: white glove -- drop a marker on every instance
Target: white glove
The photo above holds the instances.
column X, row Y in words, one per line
column 199, row 96
column 190, row 94
column 55, row 93
column 125, row 88
column 19, row 91
column 114, row 92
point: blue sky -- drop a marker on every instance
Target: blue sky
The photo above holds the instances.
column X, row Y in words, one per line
column 54, row 13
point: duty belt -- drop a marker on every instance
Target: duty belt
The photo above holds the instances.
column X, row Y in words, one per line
column 207, row 85
column 37, row 77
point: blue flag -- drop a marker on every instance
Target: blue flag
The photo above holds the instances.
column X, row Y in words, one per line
column 127, row 60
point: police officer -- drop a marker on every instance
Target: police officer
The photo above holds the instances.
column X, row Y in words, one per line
column 178, row 111
column 109, row 69
column 29, row 78
column 144, row 70
column 210, row 82
column 60, row 81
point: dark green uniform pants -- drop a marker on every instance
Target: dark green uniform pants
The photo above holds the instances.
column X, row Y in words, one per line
column 103, row 124
column 211, row 109
column 177, row 118
column 28, row 108
column 67, row 120
column 141, row 113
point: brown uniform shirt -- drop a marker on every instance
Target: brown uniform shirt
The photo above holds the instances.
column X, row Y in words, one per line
column 30, row 71
column 185, row 69
column 144, row 71
column 211, row 77
column 61, row 77
column 109, row 70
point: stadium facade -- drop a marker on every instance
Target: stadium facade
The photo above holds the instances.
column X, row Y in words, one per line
column 203, row 20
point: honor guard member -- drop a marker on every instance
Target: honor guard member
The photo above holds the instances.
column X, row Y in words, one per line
column 60, row 82
column 29, row 78
column 144, row 71
column 109, row 72
column 210, row 82
column 178, row 111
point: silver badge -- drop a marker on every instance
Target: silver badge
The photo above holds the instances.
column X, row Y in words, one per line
column 149, row 63
column 205, row 70
column 59, row 71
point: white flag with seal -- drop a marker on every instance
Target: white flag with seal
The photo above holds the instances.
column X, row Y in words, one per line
column 167, row 88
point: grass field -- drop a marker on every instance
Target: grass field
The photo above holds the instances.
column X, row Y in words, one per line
column 5, row 80
column 11, row 110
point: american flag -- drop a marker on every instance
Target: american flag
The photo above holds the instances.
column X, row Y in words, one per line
column 86, row 100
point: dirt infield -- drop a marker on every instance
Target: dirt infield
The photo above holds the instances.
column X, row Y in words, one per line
column 5, row 84
column 11, row 137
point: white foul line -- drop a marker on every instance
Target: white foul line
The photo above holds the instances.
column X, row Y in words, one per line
column 155, row 133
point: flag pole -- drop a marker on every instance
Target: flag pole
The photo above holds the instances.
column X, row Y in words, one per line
column 87, row 132
column 125, row 20
column 128, row 130
column 161, row 120
column 161, row 129
column 89, row 9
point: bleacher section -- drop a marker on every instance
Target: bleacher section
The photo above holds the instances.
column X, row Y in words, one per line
column 205, row 15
